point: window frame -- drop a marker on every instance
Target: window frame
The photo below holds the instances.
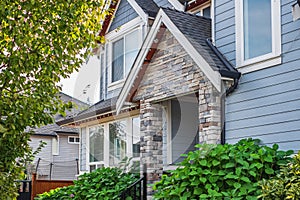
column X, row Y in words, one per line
column 115, row 35
column 97, row 163
column 106, row 147
column 262, row 61
column 74, row 140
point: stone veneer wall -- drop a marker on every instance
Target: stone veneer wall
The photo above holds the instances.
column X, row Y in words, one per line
column 151, row 141
column 171, row 73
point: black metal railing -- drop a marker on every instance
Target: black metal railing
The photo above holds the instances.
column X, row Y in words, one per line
column 24, row 190
column 136, row 191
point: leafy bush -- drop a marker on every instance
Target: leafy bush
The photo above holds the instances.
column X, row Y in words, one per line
column 284, row 186
column 222, row 172
column 103, row 183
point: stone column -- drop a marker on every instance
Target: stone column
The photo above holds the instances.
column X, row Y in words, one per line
column 209, row 114
column 151, row 142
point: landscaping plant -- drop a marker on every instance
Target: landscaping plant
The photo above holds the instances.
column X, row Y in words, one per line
column 101, row 184
column 285, row 185
column 230, row 171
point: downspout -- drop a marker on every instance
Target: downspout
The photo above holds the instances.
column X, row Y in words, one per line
column 234, row 74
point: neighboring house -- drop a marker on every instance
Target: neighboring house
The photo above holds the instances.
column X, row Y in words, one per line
column 165, row 87
column 58, row 160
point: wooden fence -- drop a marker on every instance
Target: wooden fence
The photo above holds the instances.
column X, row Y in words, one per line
column 41, row 186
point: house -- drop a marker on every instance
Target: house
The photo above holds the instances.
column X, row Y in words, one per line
column 174, row 74
column 262, row 41
column 58, row 160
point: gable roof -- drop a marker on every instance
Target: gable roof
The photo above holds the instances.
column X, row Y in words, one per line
column 144, row 8
column 149, row 7
column 191, row 32
column 54, row 129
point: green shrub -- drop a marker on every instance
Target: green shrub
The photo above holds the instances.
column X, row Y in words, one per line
column 222, row 172
column 286, row 185
column 103, row 183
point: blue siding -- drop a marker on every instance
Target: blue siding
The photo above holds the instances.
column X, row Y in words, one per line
column 124, row 14
column 225, row 28
column 266, row 104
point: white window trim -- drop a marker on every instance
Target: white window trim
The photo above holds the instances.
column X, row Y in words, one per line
column 129, row 150
column 88, row 163
column 135, row 24
column 74, row 140
column 263, row 61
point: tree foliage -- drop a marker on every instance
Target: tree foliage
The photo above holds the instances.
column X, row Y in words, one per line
column 41, row 41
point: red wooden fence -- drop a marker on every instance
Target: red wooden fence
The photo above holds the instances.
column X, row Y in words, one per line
column 41, row 186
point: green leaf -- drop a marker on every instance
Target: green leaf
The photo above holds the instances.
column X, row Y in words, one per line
column 269, row 171
column 203, row 162
column 229, row 165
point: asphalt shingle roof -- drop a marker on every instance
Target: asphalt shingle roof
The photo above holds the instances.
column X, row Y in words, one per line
column 148, row 6
column 197, row 30
column 54, row 129
column 96, row 109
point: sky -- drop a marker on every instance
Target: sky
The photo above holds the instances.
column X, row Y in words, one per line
column 84, row 84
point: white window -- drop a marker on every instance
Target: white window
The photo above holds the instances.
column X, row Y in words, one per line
column 258, row 42
column 111, row 142
column 55, row 146
column 124, row 51
column 73, row 140
column 96, row 147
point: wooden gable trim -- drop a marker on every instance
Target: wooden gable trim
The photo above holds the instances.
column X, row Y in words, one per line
column 108, row 18
column 147, row 61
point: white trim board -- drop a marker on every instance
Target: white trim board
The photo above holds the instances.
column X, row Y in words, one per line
column 162, row 17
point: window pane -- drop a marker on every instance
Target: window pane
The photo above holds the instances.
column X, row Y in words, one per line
column 257, row 28
column 117, row 142
column 96, row 135
column 77, row 139
column 136, row 136
column 118, row 60
column 71, row 139
column 131, row 49
column 206, row 12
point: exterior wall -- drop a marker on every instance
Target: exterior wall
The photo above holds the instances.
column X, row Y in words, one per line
column 124, row 14
column 45, row 154
column 266, row 102
column 178, row 73
column 65, row 163
column 151, row 142
column 225, row 28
